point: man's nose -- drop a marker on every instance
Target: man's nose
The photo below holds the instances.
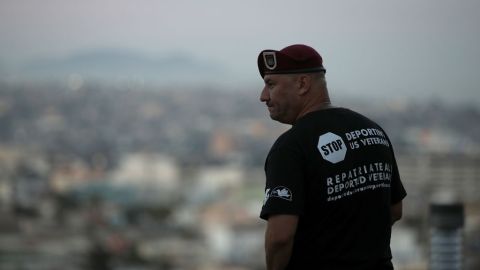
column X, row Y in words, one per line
column 264, row 95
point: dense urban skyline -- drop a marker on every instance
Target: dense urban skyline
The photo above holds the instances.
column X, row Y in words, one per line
column 147, row 179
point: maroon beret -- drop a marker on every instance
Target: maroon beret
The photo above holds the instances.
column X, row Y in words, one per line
column 296, row 58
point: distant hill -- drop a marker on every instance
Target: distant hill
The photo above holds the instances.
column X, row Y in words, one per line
column 118, row 64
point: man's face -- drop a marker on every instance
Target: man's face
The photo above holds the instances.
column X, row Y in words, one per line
column 279, row 94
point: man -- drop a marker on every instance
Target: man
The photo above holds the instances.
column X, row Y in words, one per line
column 333, row 190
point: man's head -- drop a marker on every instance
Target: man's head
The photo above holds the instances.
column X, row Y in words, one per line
column 294, row 82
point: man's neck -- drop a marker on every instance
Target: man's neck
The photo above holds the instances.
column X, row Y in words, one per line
column 315, row 107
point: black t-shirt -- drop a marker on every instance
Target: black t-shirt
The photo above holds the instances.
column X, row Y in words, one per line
column 336, row 170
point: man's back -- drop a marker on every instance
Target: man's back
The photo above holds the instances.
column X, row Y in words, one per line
column 340, row 174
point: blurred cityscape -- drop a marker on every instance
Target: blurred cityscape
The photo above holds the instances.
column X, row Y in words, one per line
column 96, row 176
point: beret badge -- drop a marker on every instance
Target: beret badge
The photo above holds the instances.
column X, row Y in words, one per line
column 270, row 60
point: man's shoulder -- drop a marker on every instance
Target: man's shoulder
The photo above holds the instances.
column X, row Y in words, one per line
column 286, row 138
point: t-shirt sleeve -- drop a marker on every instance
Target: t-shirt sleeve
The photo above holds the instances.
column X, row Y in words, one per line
column 284, row 190
column 397, row 190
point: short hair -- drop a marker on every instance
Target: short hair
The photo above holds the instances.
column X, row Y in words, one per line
column 318, row 78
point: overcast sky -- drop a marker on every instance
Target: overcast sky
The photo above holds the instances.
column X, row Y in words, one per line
column 408, row 48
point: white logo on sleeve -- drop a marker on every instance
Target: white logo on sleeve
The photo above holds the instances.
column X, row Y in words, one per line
column 282, row 193
column 331, row 147
column 278, row 192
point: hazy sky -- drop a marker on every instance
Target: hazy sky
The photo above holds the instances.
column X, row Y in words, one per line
column 408, row 48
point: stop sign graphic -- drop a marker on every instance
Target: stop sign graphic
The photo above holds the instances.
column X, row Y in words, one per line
column 331, row 147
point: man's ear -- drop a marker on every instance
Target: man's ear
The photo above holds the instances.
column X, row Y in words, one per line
column 304, row 84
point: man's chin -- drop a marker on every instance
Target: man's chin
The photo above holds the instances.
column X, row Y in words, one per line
column 275, row 117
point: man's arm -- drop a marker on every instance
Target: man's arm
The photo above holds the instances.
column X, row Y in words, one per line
column 396, row 211
column 279, row 238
